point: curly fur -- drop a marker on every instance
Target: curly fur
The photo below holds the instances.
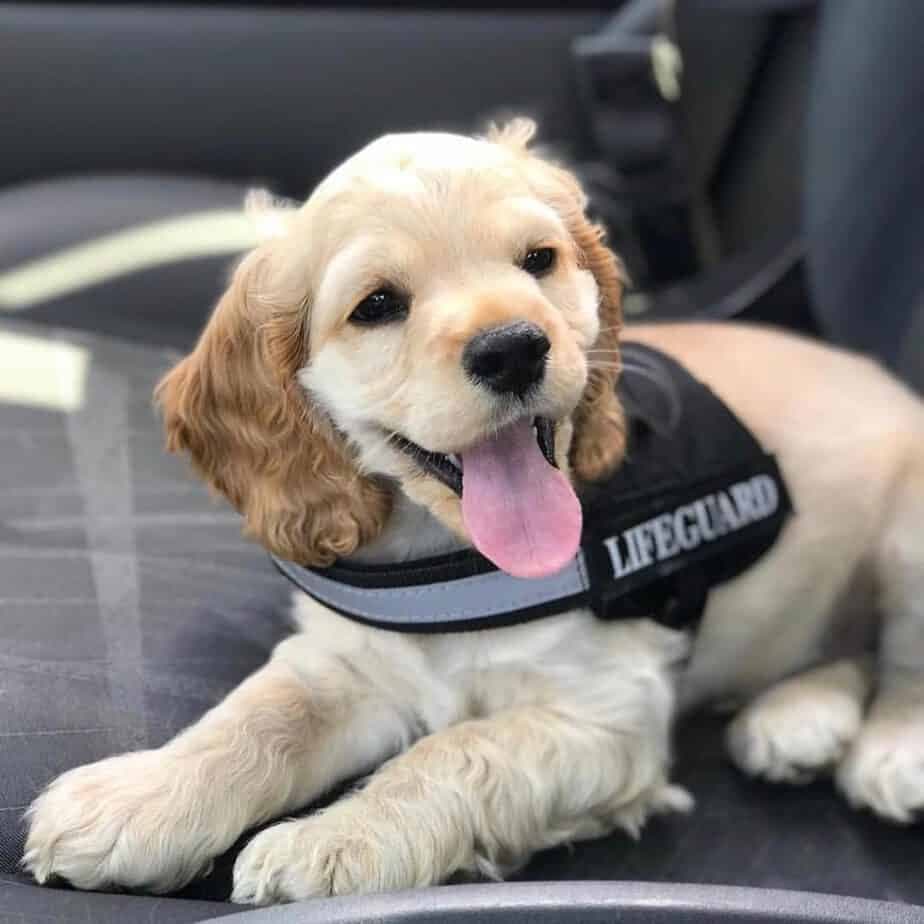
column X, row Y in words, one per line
column 234, row 405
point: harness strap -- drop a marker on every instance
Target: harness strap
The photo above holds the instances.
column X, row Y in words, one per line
column 477, row 601
column 696, row 502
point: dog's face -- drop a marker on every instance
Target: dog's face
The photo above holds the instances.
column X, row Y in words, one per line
column 426, row 319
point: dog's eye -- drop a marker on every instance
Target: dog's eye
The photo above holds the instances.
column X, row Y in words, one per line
column 540, row 261
column 381, row 307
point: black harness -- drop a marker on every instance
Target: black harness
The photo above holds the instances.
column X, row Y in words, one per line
column 695, row 502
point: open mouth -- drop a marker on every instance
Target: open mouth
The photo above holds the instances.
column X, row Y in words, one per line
column 447, row 467
column 519, row 510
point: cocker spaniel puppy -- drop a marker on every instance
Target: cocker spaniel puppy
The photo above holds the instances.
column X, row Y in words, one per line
column 424, row 360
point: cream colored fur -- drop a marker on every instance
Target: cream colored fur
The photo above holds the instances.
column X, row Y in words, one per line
column 492, row 745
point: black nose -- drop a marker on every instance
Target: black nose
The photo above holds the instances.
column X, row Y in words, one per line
column 508, row 359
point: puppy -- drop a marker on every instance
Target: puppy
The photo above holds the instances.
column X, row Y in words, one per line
column 347, row 339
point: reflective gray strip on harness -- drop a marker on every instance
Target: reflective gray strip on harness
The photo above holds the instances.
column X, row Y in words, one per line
column 435, row 606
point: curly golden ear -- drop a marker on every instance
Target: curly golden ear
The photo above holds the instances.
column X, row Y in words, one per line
column 599, row 424
column 235, row 406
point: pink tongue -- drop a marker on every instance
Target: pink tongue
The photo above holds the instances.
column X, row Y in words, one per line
column 519, row 511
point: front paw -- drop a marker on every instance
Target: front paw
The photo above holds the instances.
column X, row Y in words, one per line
column 340, row 851
column 132, row 821
column 784, row 739
column 884, row 771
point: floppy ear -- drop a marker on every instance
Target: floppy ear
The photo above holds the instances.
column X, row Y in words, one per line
column 235, row 406
column 599, row 424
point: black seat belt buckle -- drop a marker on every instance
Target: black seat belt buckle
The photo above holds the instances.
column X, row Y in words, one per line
column 632, row 123
column 629, row 85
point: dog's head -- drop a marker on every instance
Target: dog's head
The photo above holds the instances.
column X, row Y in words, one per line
column 440, row 316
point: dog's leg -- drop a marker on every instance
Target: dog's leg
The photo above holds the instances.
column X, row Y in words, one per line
column 153, row 820
column 884, row 770
column 802, row 726
column 479, row 797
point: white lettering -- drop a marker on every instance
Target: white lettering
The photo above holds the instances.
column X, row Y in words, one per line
column 612, row 546
column 720, row 527
column 665, row 542
column 744, row 501
column 766, row 495
column 685, row 528
column 620, row 568
column 642, row 535
column 729, row 514
column 704, row 520
column 635, row 557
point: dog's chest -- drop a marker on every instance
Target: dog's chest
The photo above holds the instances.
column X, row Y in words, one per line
column 569, row 657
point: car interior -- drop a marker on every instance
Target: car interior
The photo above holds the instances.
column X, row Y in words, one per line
column 751, row 159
